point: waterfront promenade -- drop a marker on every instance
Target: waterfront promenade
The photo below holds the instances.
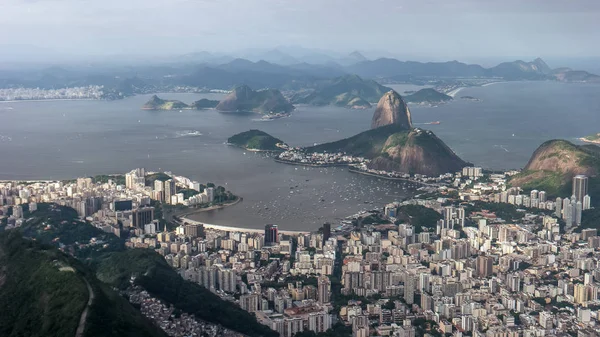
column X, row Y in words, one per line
column 238, row 229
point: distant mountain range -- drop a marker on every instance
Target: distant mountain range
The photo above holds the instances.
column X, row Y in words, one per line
column 282, row 72
column 349, row 91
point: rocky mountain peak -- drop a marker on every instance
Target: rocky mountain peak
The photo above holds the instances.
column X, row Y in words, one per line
column 391, row 109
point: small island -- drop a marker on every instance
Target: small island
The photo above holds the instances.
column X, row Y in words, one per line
column 205, row 103
column 256, row 140
column 157, row 103
column 594, row 139
column 427, row 96
column 244, row 99
column 471, row 98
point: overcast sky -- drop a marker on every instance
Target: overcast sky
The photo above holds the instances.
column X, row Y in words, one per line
column 415, row 29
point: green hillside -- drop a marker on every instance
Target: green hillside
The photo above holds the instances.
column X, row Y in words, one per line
column 553, row 165
column 255, row 140
column 427, row 95
column 365, row 144
column 156, row 103
column 159, row 279
column 43, row 292
column 393, row 148
column 205, row 104
column 347, row 91
column 244, row 99
column 112, row 265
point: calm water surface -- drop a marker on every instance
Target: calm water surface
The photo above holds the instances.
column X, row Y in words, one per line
column 65, row 139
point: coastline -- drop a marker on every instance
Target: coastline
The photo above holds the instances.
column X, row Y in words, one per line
column 211, row 208
column 388, row 178
column 52, row 99
column 596, row 142
column 228, row 228
column 252, row 150
column 455, row 92
column 308, row 164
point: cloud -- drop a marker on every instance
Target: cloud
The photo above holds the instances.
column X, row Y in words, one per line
column 433, row 28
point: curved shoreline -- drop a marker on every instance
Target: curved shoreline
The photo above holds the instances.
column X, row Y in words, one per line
column 596, row 142
column 211, row 208
column 308, row 164
column 228, row 228
column 388, row 178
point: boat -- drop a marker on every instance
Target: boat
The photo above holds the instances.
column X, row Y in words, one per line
column 434, row 123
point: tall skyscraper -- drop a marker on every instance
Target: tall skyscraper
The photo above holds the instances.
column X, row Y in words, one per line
column 542, row 196
column 578, row 210
column 271, row 235
column 326, row 231
column 484, row 265
column 558, row 202
column 170, row 190
column 324, row 291
column 580, row 187
column 210, row 192
column 409, row 288
column 142, row 216
column 159, row 190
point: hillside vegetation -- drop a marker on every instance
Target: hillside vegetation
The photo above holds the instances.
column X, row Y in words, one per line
column 553, row 165
column 43, row 292
column 153, row 273
column 255, row 140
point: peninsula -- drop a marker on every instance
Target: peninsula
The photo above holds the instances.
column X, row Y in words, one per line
column 427, row 95
column 594, row 139
column 157, row 103
column 350, row 91
column 391, row 145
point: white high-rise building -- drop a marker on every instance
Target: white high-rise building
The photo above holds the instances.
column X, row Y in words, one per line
column 558, row 212
column 170, row 190
column 324, row 291
column 210, row 192
column 542, row 196
column 587, row 201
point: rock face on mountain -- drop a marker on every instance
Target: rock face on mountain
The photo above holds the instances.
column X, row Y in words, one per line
column 391, row 109
column 553, row 165
column 244, row 99
column 417, row 151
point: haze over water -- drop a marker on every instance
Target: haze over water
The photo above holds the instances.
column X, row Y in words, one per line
column 67, row 139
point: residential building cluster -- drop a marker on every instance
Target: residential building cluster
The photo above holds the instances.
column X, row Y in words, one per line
column 173, row 325
column 18, row 94
column 107, row 205
column 297, row 156
column 468, row 272
column 569, row 209
column 255, row 266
